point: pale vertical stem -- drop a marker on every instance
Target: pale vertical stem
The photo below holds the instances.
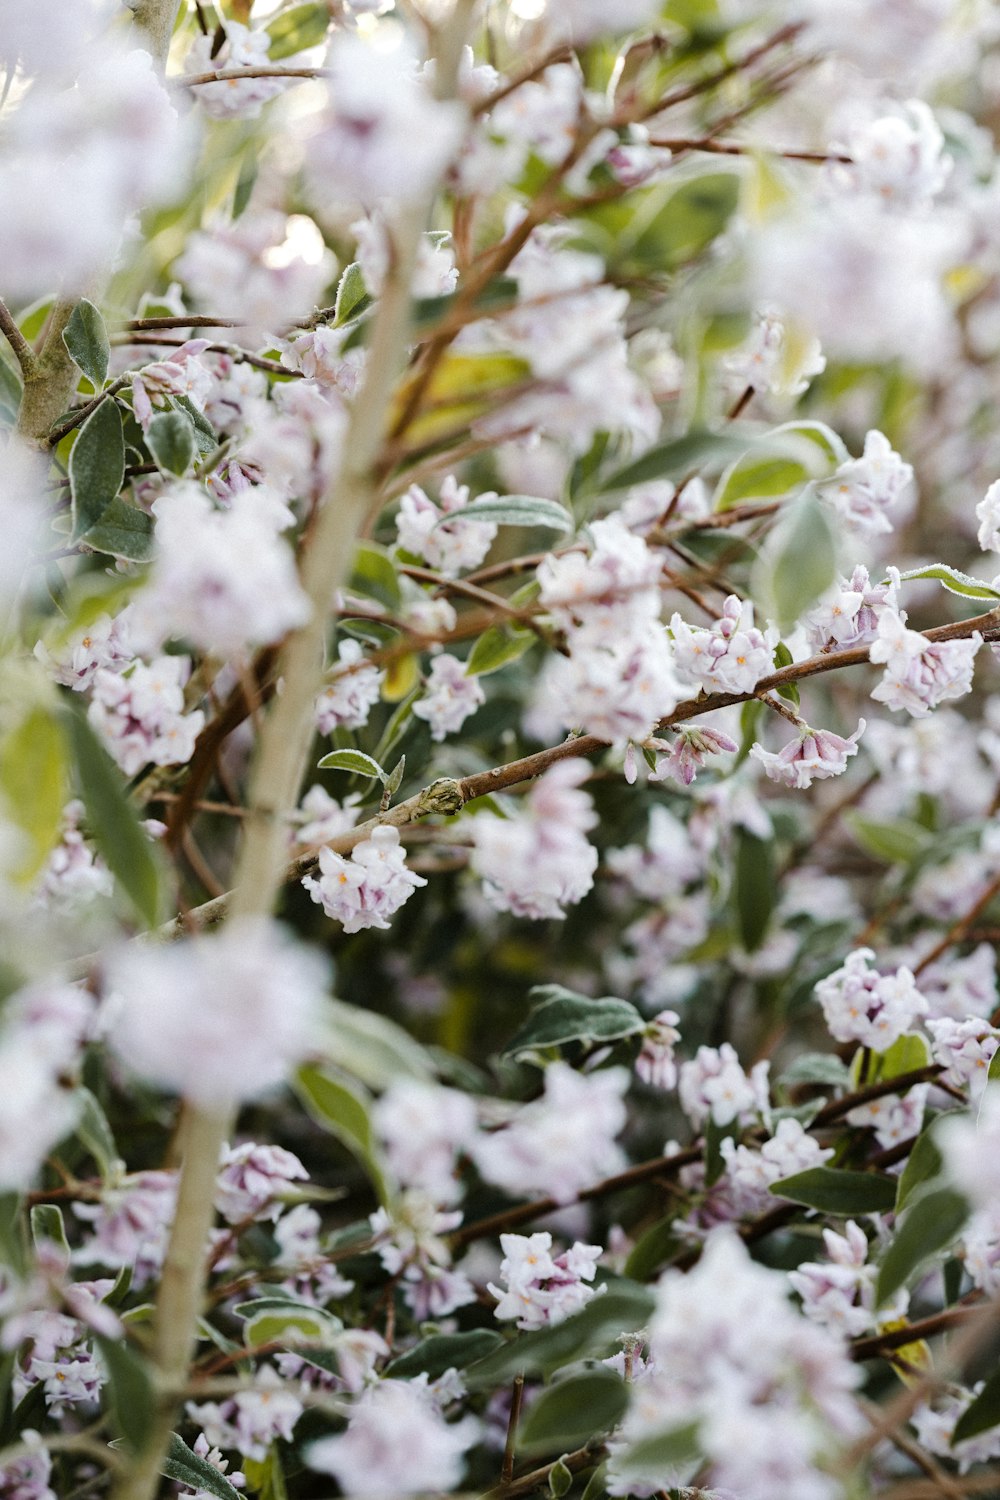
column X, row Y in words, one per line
column 278, row 768
column 50, row 383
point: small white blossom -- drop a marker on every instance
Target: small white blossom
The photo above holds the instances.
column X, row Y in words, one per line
column 542, row 1289
column 920, row 674
column 250, row 1421
column 861, row 1005
column 813, row 756
column 367, row 889
column 731, row 657
column 749, row 1173
column 423, row 1128
column 965, row 1050
column 898, row 157
column 839, row 1293
column 439, row 533
column 351, row 693
column 988, row 515
column 234, row 97
column 864, row 491
column 714, row 1085
column 396, row 1443
column 252, row 1180
column 775, row 359
column 656, row 1064
column 849, row 614
column 450, row 696
column 140, row 714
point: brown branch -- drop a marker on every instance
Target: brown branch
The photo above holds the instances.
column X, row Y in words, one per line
column 229, row 75
column 959, row 930
column 22, row 350
column 582, row 1458
column 734, row 148
column 837, row 1108
column 83, row 412
column 925, row 1328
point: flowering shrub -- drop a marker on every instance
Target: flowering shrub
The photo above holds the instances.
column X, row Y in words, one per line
column 453, row 1038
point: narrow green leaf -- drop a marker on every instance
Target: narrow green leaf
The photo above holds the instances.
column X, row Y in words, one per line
column 395, row 777
column 692, row 216
column 572, row 1410
column 344, row 1109
column 954, row 581
column 923, row 1164
column 96, row 466
column 296, row 29
column 930, row 1225
column 292, row 1326
column 993, row 1071
column 374, row 574
column 816, row 1067
column 561, row 1017
column 371, row 1047
column 802, row 559
column 653, row 1249
column 123, row 531
column 352, row 295
column 444, row 1351
column 982, row 1412
column 171, row 442
column 898, row 841
column 754, row 888
column 647, row 1460
column 131, row 1394
column 245, row 182
column 516, row 510
column 674, row 459
column 837, row 1192
column 86, row 338
column 47, row 1225
column 592, row 1333
column 93, row 1130
column 188, row 1468
column 560, row 1480
column 13, row 1236
column 126, row 848
column 496, row 647
column 33, row 781
column 354, row 761
column 907, row 1053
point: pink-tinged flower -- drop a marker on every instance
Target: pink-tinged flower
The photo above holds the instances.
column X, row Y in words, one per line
column 139, row 714
column 714, row 1085
column 770, row 361
column 864, row 491
column 253, row 1180
column 351, row 693
column 450, row 696
column 411, row 1245
column 367, row 889
column 563, row 1142
column 250, row 1421
column 970, row 1144
column 183, row 374
column 920, row 674
column 839, row 1292
column 539, row 861
column 541, row 1288
column 617, row 584
column 815, row 755
column 935, row 1428
column 104, row 643
column 424, row 1128
column 965, row 1049
column 435, row 274
column 656, row 1064
column 396, row 1443
column 988, row 515
column 898, row 157
column 217, row 1019
column 862, row 1005
column 384, row 135
column 750, row 1173
column 894, row 1118
column 849, row 614
column 320, row 818
column 450, row 545
column 731, row 657
column 617, row 688
column 234, row 98
column 27, row 1478
column 130, row 1226
column 688, row 754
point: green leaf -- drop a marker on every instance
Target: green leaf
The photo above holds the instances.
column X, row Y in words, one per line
column 954, row 581
column 354, row 761
column 993, row 1071
column 653, row 1249
column 296, row 29
column 560, row 1016
column 560, row 1480
column 896, row 841
column 86, row 338
column 266, row 1478
column 592, row 1333
column 801, row 559
column 375, row 575
column 907, row 1053
column 93, row 1130
column 197, row 1473
column 353, row 296
column 205, row 436
column 754, row 888
column 930, row 1225
column 117, row 832
column 596, row 1484
column 395, row 777
column 816, row 1067
column 245, row 182
column 33, row 780
column 687, row 223
column 496, row 647
column 96, row 466
column 47, row 1224
column 444, row 1351
column 344, row 1109
column 982, row 1412
column 786, row 458
column 123, row 531
column 573, row 1410
column 131, row 1394
column 171, row 442
column 13, row 1238
column 837, row 1192
column 923, row 1165
column 673, row 459
column 656, row 1459
column 10, row 392
column 515, row 510
column 290, row 1324
column 371, row 1047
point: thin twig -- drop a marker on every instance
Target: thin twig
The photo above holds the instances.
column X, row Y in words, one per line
column 23, row 352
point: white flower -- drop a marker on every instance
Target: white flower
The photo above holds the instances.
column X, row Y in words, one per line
column 617, row 688
column 749, row 1173
column 815, row 755
column 217, row 1019
column 655, row 1064
column 965, row 1049
column 840, row 1292
column 862, row 1005
column 352, row 692
column 542, row 1289
column 450, row 545
column 423, row 1128
column 250, row 1421
column 539, row 861
column 563, row 1142
column 849, row 614
column 367, row 889
column 970, row 1144
column 450, row 696
column 988, row 515
column 396, row 1443
column 775, row 359
column 898, row 157
column 252, row 1180
column 893, row 1118
column 864, row 491
column 140, row 714
column 731, row 657
column 920, row 674
column 713, row 1084
column 255, row 268
column 234, row 97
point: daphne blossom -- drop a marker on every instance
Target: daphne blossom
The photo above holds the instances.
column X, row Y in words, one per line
column 865, row 491
column 775, row 358
column 849, row 614
column 250, row 1421
column 965, row 1049
column 396, row 1443
column 541, row 1288
column 861, row 1005
column 539, row 861
column 919, row 673
column 140, row 714
column 714, row 1085
column 439, row 533
column 813, row 755
column 988, row 515
column 253, row 1179
column 411, row 1245
column 750, row 1174
column 423, row 1128
column 898, row 157
column 840, row 1291
column 234, row 97
column 351, row 692
column 731, row 657
column 451, row 695
column 367, row 889
column 217, row 1019
column 655, row 1064
column 255, row 267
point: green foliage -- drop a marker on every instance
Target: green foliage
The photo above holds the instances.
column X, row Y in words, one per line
column 516, row 510
column 838, row 1192
column 354, row 761
column 954, row 581
column 170, row 439
column 130, row 1391
column 86, row 339
column 799, row 561
column 592, row 1333
column 187, row 1467
column 560, row 1017
column 893, row 841
column 982, row 1413
column 123, row 531
column 96, row 467
column 496, row 647
column 297, row 29
column 931, row 1223
column 754, row 889
column 444, row 1351
column 572, row 1410
column 343, row 1107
